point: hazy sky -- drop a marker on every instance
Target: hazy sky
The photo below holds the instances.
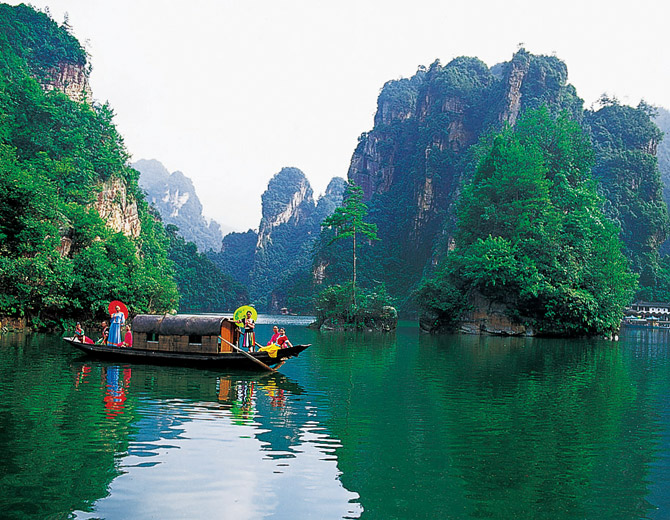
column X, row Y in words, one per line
column 229, row 92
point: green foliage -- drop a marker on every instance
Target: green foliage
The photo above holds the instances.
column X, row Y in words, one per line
column 625, row 141
column 532, row 235
column 442, row 303
column 202, row 286
column 236, row 257
column 348, row 221
column 58, row 258
column 37, row 40
column 297, row 292
column 335, row 308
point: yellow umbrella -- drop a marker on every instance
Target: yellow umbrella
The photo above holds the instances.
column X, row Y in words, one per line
column 241, row 313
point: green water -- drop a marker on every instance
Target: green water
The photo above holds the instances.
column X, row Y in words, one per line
column 359, row 426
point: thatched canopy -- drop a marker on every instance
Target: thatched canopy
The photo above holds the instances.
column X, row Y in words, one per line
column 179, row 324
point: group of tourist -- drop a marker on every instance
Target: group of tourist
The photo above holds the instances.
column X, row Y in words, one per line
column 278, row 338
column 111, row 333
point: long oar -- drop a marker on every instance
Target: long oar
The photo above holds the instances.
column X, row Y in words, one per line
column 252, row 358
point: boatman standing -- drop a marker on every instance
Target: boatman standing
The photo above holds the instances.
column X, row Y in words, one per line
column 249, row 338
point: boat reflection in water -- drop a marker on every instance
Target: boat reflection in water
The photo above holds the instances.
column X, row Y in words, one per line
column 205, row 445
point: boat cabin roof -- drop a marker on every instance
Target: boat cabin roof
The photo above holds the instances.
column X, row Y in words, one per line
column 180, row 324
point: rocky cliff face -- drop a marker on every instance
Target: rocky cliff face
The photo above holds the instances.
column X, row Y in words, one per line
column 424, row 145
column 117, row 209
column 411, row 164
column 288, row 201
column 174, row 196
column 290, row 224
column 71, row 79
column 662, row 119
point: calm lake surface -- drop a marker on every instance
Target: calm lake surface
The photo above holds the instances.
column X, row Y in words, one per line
column 369, row 426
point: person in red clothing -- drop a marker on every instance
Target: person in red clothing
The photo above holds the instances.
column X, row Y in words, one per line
column 275, row 335
column 282, row 340
column 128, row 338
column 79, row 333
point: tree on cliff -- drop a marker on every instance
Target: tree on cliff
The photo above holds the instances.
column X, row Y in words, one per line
column 348, row 221
column 532, row 236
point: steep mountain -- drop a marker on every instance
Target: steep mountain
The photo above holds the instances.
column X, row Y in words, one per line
column 625, row 140
column 174, row 196
column 429, row 134
column 662, row 119
column 203, row 287
column 75, row 230
column 282, row 247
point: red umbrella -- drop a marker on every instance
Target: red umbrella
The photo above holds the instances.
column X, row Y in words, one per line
column 122, row 306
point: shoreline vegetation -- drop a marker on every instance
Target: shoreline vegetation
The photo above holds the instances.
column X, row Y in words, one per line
column 372, row 310
column 535, row 253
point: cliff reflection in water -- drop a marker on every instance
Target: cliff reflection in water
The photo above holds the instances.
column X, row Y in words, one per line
column 485, row 427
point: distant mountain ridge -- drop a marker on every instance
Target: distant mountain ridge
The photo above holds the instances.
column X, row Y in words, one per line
column 282, row 247
column 174, row 196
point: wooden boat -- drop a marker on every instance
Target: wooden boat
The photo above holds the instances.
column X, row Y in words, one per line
column 206, row 341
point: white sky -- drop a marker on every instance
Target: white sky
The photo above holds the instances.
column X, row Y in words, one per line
column 231, row 91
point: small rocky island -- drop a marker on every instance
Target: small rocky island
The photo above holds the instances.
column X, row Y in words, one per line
column 371, row 310
column 384, row 320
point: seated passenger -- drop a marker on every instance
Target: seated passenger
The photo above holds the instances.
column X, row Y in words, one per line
column 128, row 338
column 79, row 333
column 275, row 335
column 105, row 332
column 282, row 340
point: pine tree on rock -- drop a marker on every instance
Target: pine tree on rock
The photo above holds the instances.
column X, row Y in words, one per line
column 348, row 220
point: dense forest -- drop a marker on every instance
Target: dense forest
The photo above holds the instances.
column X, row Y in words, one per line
column 531, row 234
column 202, row 286
column 75, row 229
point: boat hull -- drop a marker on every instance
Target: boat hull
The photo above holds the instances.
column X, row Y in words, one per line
column 233, row 360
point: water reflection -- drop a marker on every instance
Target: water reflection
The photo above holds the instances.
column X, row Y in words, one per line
column 88, row 439
column 218, row 445
column 500, row 427
column 418, row 426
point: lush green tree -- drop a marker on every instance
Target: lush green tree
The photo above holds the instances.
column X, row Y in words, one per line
column 203, row 287
column 348, row 221
column 374, row 310
column 58, row 258
column 532, row 235
column 625, row 140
